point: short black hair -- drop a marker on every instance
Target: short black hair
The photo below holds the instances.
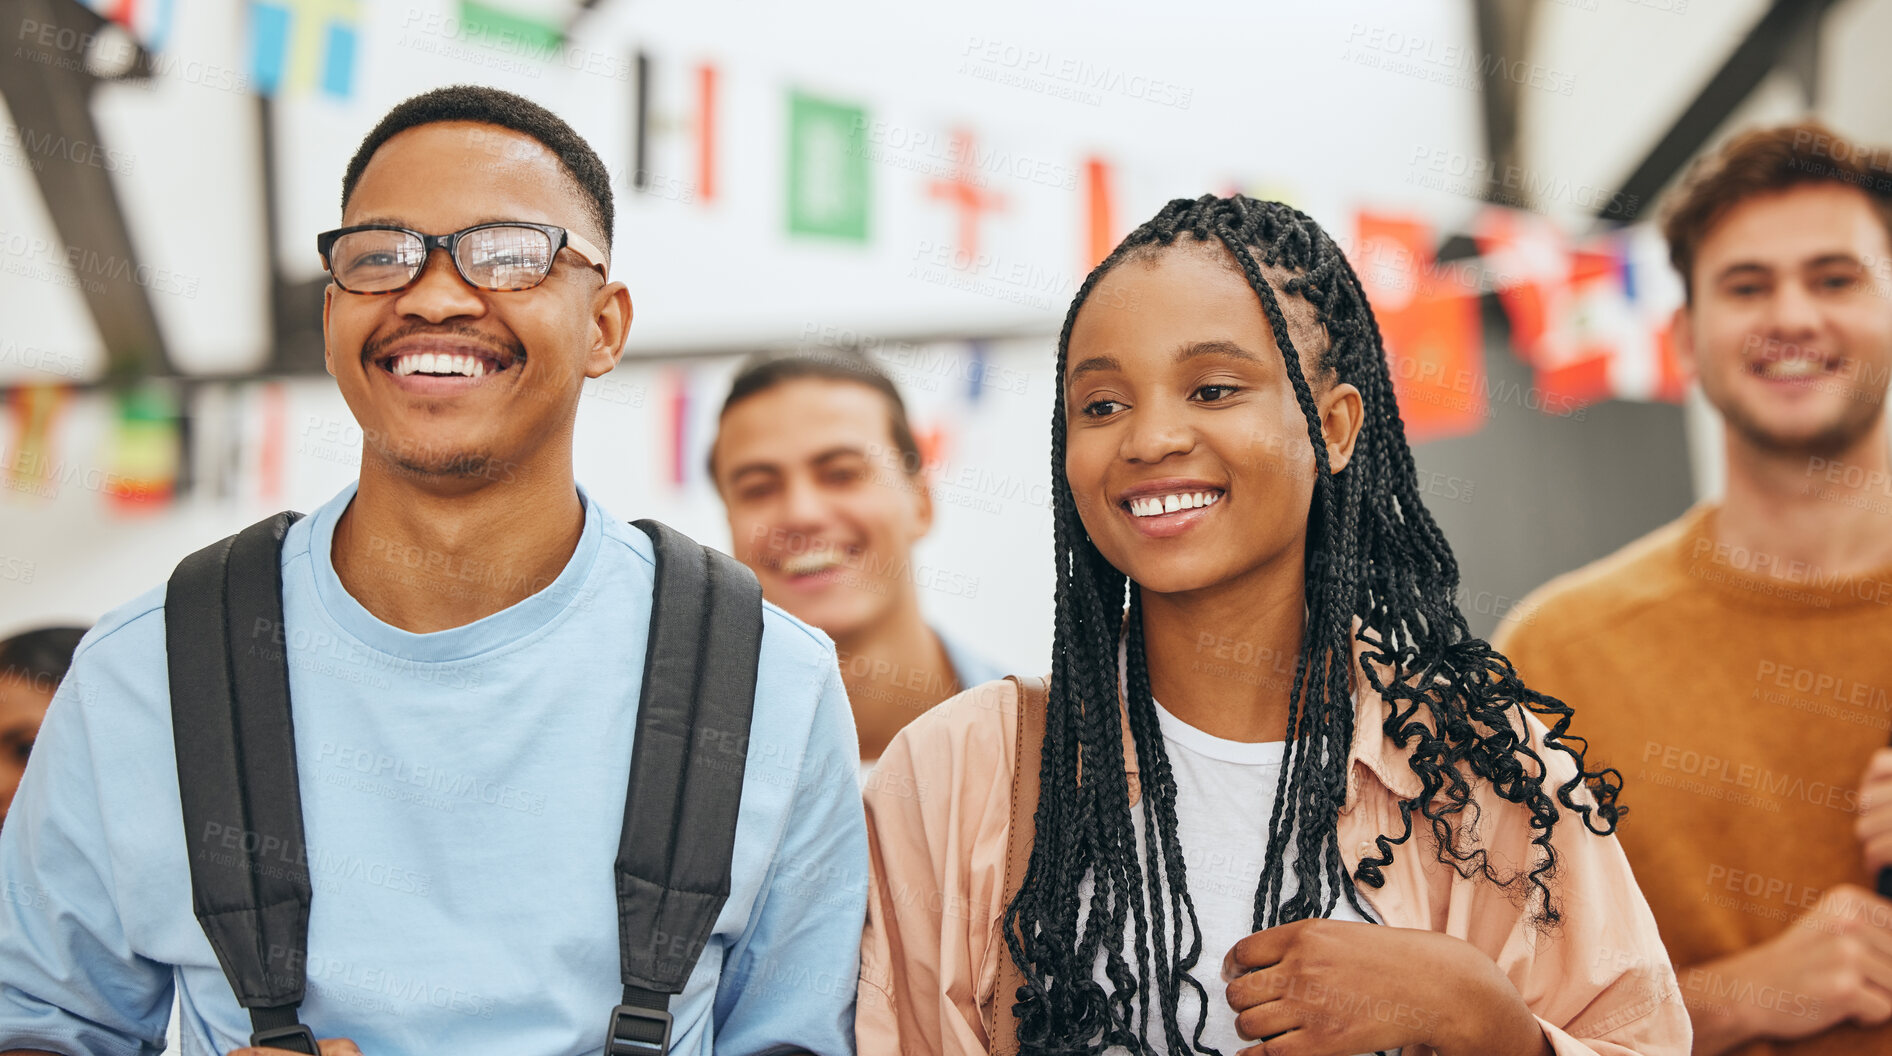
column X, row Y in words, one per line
column 765, row 370
column 490, row 106
column 40, row 656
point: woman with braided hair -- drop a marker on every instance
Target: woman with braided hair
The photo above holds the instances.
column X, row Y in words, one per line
column 1285, row 803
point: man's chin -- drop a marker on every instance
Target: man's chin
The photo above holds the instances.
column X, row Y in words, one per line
column 1809, row 440
column 448, row 467
column 835, row 617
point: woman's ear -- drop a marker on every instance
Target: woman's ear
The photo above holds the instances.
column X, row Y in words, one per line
column 1341, row 415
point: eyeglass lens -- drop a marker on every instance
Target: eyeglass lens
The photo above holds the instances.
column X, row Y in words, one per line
column 495, row 258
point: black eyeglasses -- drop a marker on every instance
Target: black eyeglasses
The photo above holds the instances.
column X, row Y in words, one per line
column 512, row 255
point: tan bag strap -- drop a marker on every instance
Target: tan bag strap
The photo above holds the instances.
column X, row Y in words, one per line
column 1001, row 1026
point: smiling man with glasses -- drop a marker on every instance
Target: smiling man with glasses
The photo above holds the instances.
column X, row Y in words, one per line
column 465, row 638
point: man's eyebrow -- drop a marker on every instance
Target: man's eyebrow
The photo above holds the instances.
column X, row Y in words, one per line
column 1228, row 349
column 1743, row 267
column 751, row 468
column 1095, row 363
column 1835, row 257
column 762, row 466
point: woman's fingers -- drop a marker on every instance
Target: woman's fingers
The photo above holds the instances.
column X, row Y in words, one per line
column 1267, row 1020
column 1260, row 950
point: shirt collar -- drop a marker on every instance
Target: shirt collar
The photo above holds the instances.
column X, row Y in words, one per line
column 1372, row 751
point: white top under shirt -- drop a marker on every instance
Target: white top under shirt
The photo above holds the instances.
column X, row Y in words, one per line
column 1224, row 800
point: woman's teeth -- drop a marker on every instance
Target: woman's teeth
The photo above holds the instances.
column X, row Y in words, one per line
column 438, row 363
column 1157, row 505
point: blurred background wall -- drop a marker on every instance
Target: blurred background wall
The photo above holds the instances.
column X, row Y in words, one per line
column 928, row 184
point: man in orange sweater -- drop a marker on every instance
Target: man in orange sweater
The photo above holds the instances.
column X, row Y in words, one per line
column 1736, row 665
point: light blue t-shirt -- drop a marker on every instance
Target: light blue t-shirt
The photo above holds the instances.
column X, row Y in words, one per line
column 462, row 796
column 971, row 668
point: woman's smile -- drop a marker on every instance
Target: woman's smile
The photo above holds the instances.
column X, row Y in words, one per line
column 1164, row 509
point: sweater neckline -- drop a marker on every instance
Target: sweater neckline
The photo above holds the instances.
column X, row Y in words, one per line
column 1754, row 579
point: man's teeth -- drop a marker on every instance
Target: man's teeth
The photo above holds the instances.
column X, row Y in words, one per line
column 439, row 363
column 808, row 564
column 1798, row 367
column 1157, row 505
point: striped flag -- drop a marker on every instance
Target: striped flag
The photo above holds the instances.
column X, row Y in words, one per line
column 297, row 46
column 676, row 150
column 146, row 450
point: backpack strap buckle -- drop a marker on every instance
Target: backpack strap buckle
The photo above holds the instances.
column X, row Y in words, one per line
column 292, row 1038
column 638, row 1031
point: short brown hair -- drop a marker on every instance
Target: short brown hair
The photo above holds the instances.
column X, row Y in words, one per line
column 765, row 370
column 1765, row 161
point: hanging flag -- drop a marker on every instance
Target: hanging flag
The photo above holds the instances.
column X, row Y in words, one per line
column 676, row 425
column 29, row 461
column 273, row 443
column 1655, row 292
column 966, row 193
column 980, row 353
column 1611, row 336
column 1572, row 358
column 1526, row 259
column 1434, row 346
column 297, row 46
column 217, row 448
column 149, row 21
column 828, row 192
column 1591, row 317
column 688, row 168
column 935, row 443
column 706, row 132
column 1100, row 212
column 522, row 32
column 146, row 449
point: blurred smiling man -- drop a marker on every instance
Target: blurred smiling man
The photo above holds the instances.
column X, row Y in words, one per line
column 31, row 665
column 1734, row 665
column 821, row 476
column 463, row 722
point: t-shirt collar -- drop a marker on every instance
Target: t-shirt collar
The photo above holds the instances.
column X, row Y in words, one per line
column 1371, row 751
column 511, row 624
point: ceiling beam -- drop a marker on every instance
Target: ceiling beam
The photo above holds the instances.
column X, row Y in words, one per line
column 1781, row 34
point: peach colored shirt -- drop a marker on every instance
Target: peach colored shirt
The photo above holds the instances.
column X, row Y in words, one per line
column 938, row 815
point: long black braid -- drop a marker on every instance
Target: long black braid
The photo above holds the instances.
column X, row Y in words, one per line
column 1374, row 555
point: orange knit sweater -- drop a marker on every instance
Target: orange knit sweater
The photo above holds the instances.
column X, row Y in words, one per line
column 1741, row 703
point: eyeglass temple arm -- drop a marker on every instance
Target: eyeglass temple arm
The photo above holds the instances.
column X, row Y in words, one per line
column 590, row 252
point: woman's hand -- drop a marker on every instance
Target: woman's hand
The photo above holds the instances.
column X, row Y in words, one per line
column 1336, row 988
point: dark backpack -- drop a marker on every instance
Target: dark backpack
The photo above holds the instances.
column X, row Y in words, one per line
column 231, row 717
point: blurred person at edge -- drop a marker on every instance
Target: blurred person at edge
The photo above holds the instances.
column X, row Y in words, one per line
column 1735, row 664
column 826, row 495
column 31, row 665
column 464, row 728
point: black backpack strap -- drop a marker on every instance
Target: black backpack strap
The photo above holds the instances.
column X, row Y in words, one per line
column 236, row 772
column 686, row 778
